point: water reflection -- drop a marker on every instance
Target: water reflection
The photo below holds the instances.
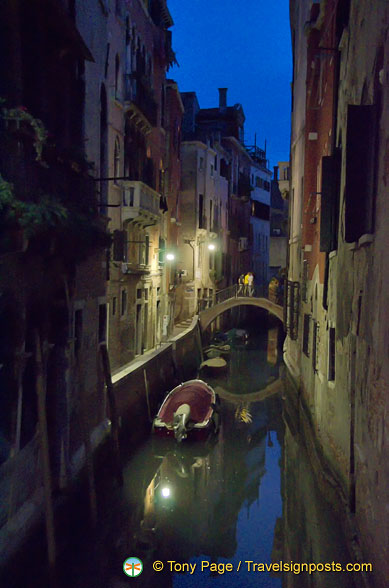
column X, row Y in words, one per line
column 310, row 529
column 249, row 495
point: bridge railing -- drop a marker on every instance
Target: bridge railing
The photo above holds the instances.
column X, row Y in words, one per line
column 235, row 291
column 226, row 293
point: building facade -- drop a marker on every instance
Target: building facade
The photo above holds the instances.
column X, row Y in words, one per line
column 279, row 200
column 204, row 199
column 336, row 308
column 141, row 179
column 260, row 178
column 53, row 243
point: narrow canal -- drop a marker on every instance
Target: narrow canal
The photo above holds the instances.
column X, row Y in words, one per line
column 247, row 496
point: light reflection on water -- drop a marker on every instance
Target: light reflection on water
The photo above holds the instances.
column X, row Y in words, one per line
column 248, row 495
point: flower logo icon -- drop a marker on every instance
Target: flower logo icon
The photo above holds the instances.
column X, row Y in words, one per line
column 132, row 567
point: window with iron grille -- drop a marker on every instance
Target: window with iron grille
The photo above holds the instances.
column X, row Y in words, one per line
column 291, row 308
column 307, row 321
column 295, row 310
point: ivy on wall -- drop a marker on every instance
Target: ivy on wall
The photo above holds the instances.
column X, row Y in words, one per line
column 53, row 214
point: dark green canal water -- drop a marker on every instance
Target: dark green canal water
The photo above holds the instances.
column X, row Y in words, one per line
column 248, row 497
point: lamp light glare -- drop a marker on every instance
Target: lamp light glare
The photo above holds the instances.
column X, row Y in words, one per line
column 170, row 256
column 211, row 247
column 165, row 492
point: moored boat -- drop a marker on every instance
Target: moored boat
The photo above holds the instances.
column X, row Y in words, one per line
column 188, row 410
column 215, row 366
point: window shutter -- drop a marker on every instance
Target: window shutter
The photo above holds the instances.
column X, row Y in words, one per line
column 330, row 186
column 360, row 170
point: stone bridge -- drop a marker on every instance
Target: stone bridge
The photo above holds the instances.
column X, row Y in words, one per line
column 229, row 299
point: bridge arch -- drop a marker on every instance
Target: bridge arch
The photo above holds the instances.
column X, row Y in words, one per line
column 209, row 314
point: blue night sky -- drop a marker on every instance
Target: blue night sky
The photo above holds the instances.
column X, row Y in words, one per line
column 245, row 47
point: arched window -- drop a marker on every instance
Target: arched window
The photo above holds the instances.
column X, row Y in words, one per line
column 116, row 160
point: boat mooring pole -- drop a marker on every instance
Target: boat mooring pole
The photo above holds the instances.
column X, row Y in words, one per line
column 44, row 449
column 147, row 394
column 113, row 411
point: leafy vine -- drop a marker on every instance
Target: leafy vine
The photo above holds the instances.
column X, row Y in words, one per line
column 20, row 114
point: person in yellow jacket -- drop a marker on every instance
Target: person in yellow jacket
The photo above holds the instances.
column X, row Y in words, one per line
column 246, row 284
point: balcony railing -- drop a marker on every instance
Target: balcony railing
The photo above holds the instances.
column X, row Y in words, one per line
column 137, row 91
column 140, row 202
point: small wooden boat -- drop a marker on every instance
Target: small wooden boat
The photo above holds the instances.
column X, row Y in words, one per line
column 214, row 366
column 188, row 410
column 221, row 349
column 212, row 353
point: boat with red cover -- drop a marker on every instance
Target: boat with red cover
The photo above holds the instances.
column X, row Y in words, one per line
column 188, row 410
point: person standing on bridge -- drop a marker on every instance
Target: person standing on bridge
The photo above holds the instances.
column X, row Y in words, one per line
column 246, row 284
column 250, row 284
column 240, row 291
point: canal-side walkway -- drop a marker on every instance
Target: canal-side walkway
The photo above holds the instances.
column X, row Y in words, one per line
column 180, row 330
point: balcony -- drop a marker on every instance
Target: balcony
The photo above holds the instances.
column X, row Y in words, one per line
column 140, row 203
column 131, row 268
column 244, row 187
column 140, row 101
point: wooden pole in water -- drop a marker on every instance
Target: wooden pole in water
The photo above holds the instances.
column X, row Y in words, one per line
column 44, row 448
column 199, row 342
column 113, row 411
column 147, row 394
column 83, row 415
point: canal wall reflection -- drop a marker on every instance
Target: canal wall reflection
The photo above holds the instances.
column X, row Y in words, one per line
column 310, row 529
column 249, row 494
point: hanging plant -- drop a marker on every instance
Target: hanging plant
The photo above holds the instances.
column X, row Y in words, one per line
column 20, row 114
column 32, row 217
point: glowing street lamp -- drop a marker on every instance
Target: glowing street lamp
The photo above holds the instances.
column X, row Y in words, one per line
column 170, row 256
column 211, row 246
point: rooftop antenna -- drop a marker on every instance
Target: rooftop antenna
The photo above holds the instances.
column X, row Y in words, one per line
column 255, row 142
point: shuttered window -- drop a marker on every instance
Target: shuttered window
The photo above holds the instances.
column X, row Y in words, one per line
column 360, row 170
column 330, row 189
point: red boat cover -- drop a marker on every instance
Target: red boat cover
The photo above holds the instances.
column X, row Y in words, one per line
column 196, row 395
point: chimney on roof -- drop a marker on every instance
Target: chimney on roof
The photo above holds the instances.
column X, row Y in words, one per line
column 222, row 98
